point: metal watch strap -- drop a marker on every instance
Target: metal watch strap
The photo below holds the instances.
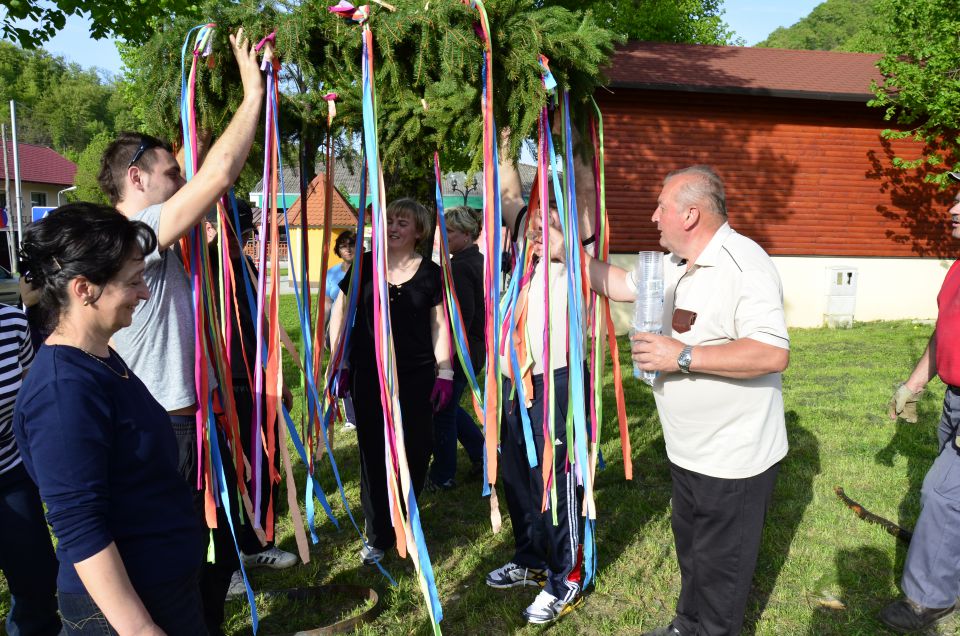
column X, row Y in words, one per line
column 685, row 358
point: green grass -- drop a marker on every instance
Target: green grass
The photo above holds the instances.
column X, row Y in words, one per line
column 835, row 392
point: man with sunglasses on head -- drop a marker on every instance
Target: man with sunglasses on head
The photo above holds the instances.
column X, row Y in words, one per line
column 143, row 180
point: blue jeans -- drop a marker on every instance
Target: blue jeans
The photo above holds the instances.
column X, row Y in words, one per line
column 449, row 425
column 174, row 607
column 26, row 558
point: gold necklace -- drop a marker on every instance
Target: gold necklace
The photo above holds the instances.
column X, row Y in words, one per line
column 126, row 371
column 402, row 270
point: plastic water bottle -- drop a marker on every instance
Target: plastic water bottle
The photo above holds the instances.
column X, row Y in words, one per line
column 648, row 307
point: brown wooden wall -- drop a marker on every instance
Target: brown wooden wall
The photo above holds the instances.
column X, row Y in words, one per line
column 803, row 177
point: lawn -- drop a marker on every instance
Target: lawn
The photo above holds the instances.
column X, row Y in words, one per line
column 814, row 548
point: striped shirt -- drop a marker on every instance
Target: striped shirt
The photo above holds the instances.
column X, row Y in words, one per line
column 16, row 354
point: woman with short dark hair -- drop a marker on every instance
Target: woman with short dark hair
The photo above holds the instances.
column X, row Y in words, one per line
column 344, row 248
column 96, row 442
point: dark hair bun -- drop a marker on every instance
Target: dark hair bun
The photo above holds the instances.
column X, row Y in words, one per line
column 79, row 239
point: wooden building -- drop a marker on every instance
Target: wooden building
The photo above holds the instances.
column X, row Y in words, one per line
column 808, row 175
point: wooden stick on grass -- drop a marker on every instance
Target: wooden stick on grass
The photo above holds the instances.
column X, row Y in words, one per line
column 866, row 515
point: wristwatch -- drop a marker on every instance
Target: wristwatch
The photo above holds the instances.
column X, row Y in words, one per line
column 684, row 359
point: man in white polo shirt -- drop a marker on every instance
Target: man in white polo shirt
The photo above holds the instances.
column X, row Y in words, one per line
column 718, row 394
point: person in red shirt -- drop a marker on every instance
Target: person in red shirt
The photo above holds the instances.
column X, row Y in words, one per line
column 931, row 572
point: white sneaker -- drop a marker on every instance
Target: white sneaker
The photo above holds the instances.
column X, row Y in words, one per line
column 547, row 608
column 272, row 557
column 349, row 426
column 237, row 589
column 370, row 555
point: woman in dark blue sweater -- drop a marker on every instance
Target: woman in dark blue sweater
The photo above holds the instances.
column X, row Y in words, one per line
column 98, row 445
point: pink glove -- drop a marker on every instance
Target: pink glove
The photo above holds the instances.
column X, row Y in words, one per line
column 442, row 392
column 340, row 383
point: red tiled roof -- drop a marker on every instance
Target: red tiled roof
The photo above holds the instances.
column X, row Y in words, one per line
column 343, row 215
column 39, row 164
column 745, row 70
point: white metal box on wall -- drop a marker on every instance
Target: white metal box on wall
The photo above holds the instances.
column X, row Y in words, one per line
column 841, row 300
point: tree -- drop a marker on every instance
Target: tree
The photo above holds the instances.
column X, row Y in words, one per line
column 921, row 86
column 428, row 64
column 58, row 104
column 690, row 21
column 834, row 25
column 88, row 167
column 130, row 21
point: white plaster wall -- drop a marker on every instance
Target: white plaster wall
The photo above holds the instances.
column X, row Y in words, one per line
column 887, row 288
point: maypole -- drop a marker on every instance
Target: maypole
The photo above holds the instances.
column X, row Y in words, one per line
column 403, row 504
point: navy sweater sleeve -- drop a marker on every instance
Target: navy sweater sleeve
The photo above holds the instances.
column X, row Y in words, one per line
column 72, row 432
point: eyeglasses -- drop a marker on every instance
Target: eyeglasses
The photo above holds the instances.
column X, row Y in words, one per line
column 145, row 145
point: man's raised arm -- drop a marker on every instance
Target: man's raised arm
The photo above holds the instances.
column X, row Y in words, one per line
column 511, row 191
column 226, row 158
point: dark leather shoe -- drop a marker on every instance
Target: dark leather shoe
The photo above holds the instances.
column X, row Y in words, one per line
column 905, row 616
column 669, row 630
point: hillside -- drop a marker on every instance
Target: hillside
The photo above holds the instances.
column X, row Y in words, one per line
column 834, row 25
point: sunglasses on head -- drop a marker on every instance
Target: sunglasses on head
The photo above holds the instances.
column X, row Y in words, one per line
column 145, row 145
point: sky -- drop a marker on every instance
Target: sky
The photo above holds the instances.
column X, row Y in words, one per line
column 752, row 20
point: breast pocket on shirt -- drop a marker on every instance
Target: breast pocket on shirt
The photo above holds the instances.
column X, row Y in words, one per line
column 683, row 320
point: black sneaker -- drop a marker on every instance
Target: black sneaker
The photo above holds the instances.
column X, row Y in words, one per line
column 513, row 575
column 476, row 470
column 905, row 616
column 433, row 486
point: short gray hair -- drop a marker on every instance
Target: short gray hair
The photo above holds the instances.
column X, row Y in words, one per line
column 464, row 219
column 705, row 188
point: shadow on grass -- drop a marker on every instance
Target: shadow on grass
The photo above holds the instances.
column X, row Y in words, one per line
column 917, row 443
column 857, row 572
column 791, row 496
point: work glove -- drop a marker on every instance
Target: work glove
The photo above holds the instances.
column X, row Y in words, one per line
column 903, row 404
column 340, row 383
column 441, row 394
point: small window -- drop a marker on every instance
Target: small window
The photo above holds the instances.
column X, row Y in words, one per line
column 38, row 199
column 3, row 199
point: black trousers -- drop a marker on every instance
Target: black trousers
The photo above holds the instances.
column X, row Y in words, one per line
column 246, row 537
column 27, row 559
column 214, row 577
column 539, row 543
column 717, row 524
column 417, row 413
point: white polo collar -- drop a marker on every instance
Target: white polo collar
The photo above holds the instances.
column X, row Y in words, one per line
column 708, row 257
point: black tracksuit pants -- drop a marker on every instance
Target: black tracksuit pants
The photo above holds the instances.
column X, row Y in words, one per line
column 540, row 543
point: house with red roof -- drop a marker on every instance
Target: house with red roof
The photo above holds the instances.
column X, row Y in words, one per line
column 43, row 173
column 807, row 172
column 343, row 217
